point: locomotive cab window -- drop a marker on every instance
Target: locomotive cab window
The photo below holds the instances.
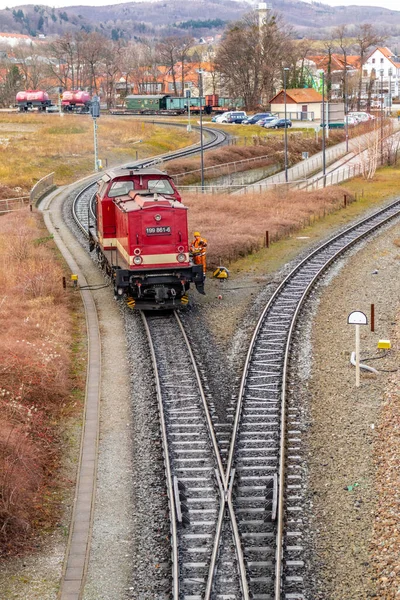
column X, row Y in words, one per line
column 120, row 188
column 160, row 186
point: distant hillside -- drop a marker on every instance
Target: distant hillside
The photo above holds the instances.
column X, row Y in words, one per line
column 195, row 17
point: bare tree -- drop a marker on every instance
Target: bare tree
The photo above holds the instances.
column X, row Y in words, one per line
column 250, row 57
column 366, row 36
column 169, row 50
column 94, row 50
column 31, row 66
column 65, row 61
column 341, row 34
column 112, row 69
column 328, row 49
column 185, row 45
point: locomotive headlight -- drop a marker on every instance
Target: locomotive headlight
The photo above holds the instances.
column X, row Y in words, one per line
column 181, row 257
column 157, row 217
column 137, row 260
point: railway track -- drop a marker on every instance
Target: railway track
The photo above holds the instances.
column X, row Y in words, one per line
column 193, row 467
column 258, row 547
column 82, row 209
column 236, row 494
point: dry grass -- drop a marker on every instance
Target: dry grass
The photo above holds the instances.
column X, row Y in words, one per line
column 35, row 373
column 34, row 145
column 271, row 147
column 235, row 225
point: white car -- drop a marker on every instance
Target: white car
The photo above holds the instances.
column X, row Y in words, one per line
column 361, row 116
column 223, row 118
column 351, row 120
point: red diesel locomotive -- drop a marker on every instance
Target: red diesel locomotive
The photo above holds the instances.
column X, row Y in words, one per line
column 141, row 238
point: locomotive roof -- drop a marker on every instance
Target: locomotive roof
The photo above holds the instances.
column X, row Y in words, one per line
column 127, row 171
column 138, row 202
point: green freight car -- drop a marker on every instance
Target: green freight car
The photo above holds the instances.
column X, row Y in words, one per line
column 164, row 104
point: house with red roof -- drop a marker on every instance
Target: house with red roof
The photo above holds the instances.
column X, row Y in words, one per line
column 12, row 39
column 301, row 104
column 337, row 65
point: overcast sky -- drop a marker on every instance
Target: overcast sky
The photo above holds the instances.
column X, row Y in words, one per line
column 391, row 4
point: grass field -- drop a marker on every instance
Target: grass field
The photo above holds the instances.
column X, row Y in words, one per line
column 34, row 145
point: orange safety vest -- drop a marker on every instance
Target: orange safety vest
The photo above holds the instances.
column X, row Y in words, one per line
column 198, row 248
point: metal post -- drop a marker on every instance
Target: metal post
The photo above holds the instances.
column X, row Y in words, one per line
column 285, row 70
column 346, row 113
column 59, row 102
column 323, row 128
column 201, row 129
column 382, row 117
column 390, row 91
column 357, row 355
column 188, row 96
column 96, row 160
column 95, row 112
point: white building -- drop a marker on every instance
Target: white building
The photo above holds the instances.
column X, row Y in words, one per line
column 383, row 67
column 13, row 39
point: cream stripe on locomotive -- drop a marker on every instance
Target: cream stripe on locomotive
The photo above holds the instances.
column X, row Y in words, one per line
column 151, row 259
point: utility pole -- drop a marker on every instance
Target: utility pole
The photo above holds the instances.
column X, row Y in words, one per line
column 95, row 112
column 382, row 116
column 201, row 128
column 285, row 70
column 323, row 128
column 188, row 96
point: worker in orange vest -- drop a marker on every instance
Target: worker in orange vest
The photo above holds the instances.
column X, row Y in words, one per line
column 198, row 249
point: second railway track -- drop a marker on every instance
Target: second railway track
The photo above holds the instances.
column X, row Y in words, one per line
column 255, row 547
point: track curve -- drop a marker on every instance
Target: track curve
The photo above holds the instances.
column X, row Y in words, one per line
column 82, row 208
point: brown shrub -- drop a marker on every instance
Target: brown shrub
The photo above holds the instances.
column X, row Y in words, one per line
column 34, row 373
column 268, row 147
column 235, row 225
column 21, row 474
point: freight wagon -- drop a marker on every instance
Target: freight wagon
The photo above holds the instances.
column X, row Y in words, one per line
column 164, row 104
column 76, row 101
column 32, row 99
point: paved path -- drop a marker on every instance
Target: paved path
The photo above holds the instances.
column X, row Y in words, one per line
column 77, row 554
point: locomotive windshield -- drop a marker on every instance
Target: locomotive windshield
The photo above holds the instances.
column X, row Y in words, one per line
column 155, row 186
column 160, row 186
column 120, row 188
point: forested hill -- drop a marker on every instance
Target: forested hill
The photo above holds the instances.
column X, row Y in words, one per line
column 198, row 18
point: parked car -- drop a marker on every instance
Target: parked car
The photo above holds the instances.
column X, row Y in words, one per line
column 278, row 124
column 221, row 118
column 236, row 116
column 351, row 121
column 265, row 120
column 361, row 116
column 252, row 120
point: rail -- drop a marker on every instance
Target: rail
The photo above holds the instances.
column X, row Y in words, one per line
column 40, row 188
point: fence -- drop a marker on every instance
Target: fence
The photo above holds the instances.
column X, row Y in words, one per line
column 12, row 204
column 223, row 169
column 40, row 188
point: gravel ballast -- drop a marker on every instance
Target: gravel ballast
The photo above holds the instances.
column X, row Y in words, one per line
column 353, row 532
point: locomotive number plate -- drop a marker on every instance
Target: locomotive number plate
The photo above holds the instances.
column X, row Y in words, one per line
column 158, row 230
